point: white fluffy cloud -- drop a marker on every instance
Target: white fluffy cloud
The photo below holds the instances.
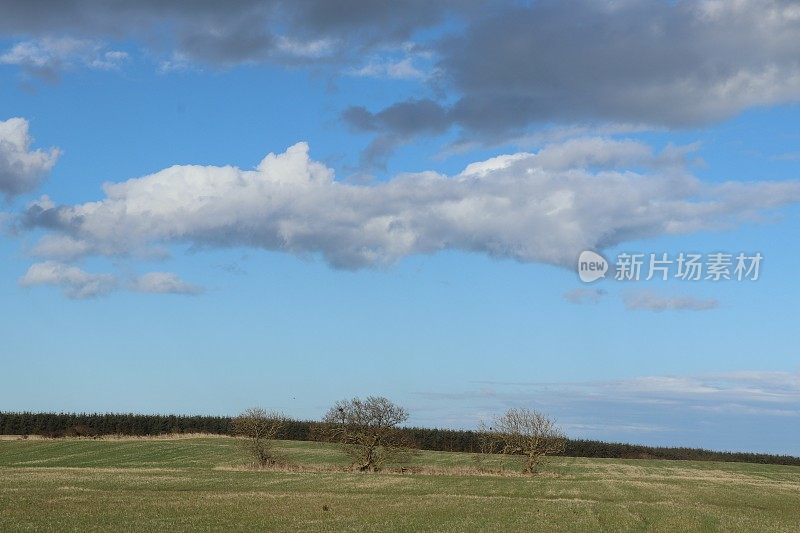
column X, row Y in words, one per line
column 75, row 283
column 532, row 207
column 164, row 283
column 21, row 169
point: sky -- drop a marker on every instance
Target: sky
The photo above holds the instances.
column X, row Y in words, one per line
column 284, row 204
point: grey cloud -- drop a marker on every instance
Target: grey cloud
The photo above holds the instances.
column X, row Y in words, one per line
column 375, row 21
column 403, row 118
column 205, row 30
column 663, row 64
column 21, row 169
column 397, row 124
column 225, row 33
column 672, row 64
column 544, row 207
column 650, row 301
column 511, row 69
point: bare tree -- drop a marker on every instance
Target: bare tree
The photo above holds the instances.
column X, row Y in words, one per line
column 259, row 428
column 488, row 445
column 525, row 432
column 368, row 431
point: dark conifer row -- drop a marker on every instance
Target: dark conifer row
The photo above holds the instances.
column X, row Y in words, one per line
column 90, row 425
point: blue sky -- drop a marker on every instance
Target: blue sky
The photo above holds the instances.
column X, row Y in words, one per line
column 383, row 257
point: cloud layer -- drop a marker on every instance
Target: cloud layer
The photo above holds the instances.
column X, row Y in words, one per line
column 544, row 207
column 702, row 410
column 497, row 70
column 216, row 33
column 21, row 169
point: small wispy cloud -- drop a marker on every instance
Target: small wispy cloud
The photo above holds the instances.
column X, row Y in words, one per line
column 786, row 156
column 409, row 61
column 74, row 282
column 164, row 283
column 584, row 295
column 309, row 49
column 48, row 56
column 650, row 301
column 403, row 69
column 79, row 284
column 176, row 62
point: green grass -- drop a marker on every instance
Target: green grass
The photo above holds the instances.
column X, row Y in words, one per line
column 194, row 484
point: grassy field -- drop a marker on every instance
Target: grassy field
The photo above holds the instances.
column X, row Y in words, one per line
column 202, row 484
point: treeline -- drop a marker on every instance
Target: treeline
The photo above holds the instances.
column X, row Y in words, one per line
column 98, row 424
column 616, row 450
column 56, row 425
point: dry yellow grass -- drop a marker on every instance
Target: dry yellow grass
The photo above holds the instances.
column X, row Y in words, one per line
column 200, row 484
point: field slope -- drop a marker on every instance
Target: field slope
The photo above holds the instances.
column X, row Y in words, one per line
column 200, row 483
